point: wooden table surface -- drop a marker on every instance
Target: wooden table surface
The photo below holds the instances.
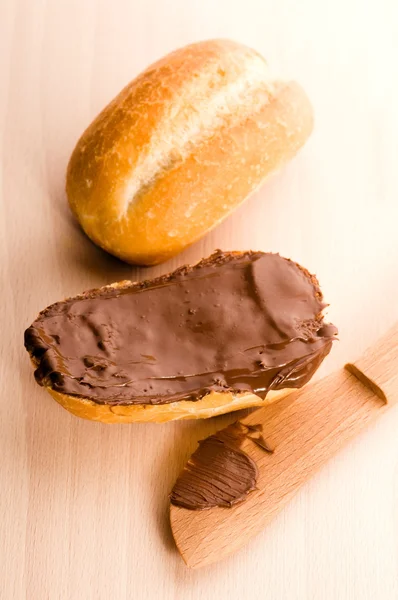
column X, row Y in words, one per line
column 84, row 508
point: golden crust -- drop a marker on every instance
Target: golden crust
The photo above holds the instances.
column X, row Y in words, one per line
column 211, row 405
column 181, row 147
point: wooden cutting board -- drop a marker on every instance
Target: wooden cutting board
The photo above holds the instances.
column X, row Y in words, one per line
column 304, row 429
column 84, row 512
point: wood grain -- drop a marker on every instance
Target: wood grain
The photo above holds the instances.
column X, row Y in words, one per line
column 305, row 429
column 84, row 508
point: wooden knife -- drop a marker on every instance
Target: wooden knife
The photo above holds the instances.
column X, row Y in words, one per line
column 305, row 429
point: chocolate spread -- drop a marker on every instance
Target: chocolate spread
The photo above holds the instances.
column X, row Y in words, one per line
column 217, row 474
column 242, row 322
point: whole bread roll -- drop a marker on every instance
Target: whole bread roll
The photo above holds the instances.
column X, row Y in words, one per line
column 238, row 329
column 181, row 147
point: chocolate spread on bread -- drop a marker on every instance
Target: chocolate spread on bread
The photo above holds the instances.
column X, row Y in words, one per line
column 240, row 322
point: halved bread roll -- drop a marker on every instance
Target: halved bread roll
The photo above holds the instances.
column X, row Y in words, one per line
column 238, row 329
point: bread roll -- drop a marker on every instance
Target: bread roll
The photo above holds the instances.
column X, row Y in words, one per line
column 235, row 330
column 181, row 147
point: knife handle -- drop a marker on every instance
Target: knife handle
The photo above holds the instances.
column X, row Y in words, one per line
column 377, row 368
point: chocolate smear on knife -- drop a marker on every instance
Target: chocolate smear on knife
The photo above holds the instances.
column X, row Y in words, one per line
column 219, row 473
column 253, row 432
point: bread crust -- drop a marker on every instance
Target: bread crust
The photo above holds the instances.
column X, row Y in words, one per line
column 211, row 405
column 181, row 147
